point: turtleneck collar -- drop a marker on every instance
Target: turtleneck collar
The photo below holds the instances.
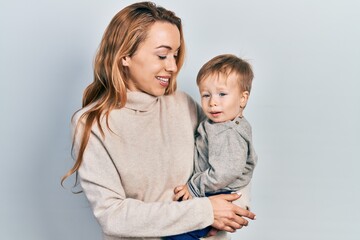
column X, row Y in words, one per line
column 140, row 101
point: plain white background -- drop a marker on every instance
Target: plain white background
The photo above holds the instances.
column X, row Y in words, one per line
column 304, row 109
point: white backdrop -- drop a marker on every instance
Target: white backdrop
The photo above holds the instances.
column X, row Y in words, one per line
column 304, row 109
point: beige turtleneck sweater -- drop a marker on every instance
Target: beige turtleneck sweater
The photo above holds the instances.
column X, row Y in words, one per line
column 129, row 176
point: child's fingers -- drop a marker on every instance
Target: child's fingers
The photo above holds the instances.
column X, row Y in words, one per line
column 178, row 189
column 179, row 195
column 212, row 232
column 187, row 195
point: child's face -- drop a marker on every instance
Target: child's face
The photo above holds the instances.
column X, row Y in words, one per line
column 221, row 97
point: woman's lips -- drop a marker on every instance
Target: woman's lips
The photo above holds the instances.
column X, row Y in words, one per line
column 164, row 81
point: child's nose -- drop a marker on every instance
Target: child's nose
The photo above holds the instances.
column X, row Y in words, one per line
column 212, row 102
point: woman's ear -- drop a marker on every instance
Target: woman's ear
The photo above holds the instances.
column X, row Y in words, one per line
column 125, row 61
column 244, row 98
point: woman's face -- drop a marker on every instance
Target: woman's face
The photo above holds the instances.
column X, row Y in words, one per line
column 154, row 63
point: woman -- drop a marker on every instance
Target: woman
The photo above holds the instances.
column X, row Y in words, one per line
column 133, row 139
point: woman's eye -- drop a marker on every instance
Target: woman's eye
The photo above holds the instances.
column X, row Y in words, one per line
column 176, row 54
column 162, row 57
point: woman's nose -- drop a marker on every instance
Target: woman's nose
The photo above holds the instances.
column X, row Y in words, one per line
column 171, row 65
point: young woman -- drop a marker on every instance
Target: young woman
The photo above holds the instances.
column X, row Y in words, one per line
column 134, row 136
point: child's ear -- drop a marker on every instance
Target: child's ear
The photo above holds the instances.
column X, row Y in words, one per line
column 244, row 98
column 125, row 61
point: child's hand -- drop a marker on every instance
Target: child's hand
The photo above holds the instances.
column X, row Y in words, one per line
column 182, row 193
column 212, row 232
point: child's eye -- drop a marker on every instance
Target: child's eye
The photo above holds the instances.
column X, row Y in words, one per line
column 205, row 95
column 222, row 94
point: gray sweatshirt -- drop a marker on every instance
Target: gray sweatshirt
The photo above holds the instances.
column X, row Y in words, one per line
column 224, row 157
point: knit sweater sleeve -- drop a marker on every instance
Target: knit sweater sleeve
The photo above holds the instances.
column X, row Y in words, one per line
column 120, row 216
column 226, row 164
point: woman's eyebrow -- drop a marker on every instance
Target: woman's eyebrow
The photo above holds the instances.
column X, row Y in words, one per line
column 167, row 47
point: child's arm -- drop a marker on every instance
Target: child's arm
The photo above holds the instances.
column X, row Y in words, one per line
column 229, row 165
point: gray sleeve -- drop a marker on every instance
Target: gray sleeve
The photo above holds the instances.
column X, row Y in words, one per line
column 227, row 161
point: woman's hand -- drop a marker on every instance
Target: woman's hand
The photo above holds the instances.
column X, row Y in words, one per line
column 182, row 193
column 227, row 216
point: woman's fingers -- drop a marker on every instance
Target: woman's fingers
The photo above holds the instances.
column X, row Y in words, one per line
column 228, row 216
column 229, row 197
column 228, row 225
column 244, row 213
column 238, row 210
column 223, row 225
column 239, row 222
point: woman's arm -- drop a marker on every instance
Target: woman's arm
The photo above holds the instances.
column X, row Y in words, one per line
column 223, row 211
column 121, row 216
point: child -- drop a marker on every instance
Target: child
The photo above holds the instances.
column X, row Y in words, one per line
column 224, row 155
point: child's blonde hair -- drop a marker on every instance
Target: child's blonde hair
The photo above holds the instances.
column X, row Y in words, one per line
column 227, row 64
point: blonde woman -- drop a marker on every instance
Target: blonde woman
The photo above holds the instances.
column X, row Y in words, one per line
column 134, row 136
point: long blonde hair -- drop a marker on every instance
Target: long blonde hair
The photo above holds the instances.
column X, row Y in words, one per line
column 126, row 31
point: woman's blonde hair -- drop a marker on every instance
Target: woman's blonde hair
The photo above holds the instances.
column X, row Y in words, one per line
column 126, row 31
